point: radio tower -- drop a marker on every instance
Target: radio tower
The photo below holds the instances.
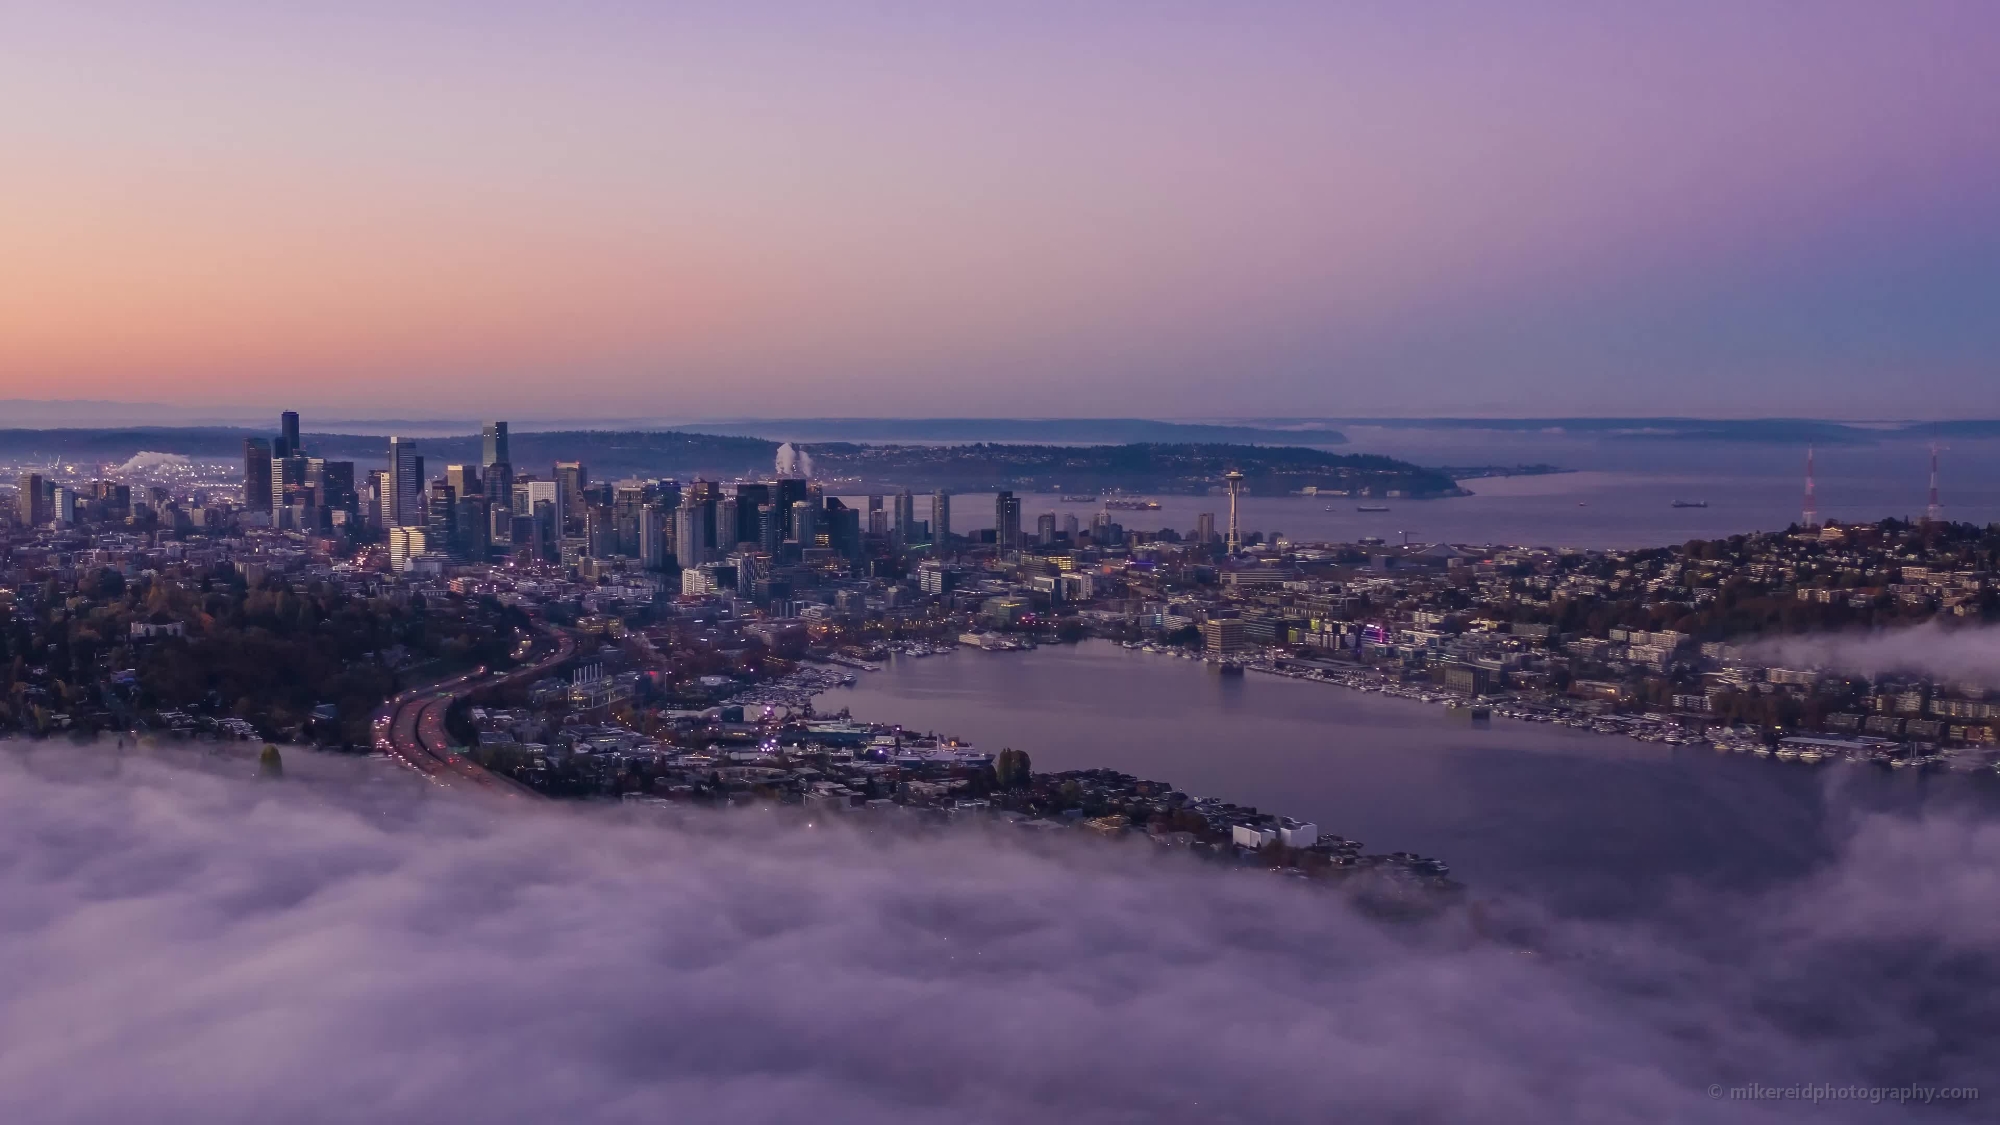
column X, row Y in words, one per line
column 1812, row 506
column 1934, row 514
column 1235, row 482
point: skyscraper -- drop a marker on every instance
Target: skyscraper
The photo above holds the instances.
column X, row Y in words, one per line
column 903, row 523
column 34, row 509
column 406, row 484
column 288, row 434
column 1006, row 521
column 940, row 517
column 571, row 477
column 495, row 450
column 1204, row 528
column 1045, row 528
column 786, row 492
column 694, row 531
column 805, row 524
column 256, row 474
column 464, row 480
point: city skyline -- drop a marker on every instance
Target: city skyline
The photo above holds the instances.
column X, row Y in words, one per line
column 1041, row 211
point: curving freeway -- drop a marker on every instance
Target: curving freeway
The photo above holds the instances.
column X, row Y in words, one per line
column 410, row 727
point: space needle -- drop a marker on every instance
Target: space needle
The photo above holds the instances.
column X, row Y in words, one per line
column 1235, row 481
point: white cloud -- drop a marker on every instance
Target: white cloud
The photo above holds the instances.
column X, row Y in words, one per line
column 177, row 945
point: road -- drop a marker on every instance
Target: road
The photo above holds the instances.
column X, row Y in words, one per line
column 410, row 727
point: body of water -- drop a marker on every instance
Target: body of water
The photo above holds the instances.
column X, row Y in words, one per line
column 1621, row 493
column 1592, row 824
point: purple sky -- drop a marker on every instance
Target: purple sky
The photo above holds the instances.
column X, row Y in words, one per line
column 926, row 208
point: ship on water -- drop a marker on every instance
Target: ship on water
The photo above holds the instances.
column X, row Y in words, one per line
column 1131, row 504
column 1690, row 503
column 1371, row 507
column 1078, row 499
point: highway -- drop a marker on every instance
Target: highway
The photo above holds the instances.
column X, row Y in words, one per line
column 410, row 727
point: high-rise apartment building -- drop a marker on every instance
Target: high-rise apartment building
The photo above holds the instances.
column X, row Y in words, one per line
column 1006, row 521
column 256, row 474
column 494, row 443
column 903, row 521
column 1204, row 528
column 405, row 507
column 1045, row 528
column 940, row 517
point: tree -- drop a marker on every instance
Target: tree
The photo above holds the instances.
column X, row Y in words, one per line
column 270, row 763
column 1011, row 769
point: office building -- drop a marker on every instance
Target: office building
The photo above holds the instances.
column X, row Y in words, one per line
column 904, row 518
column 405, row 543
column 441, row 511
column 940, row 517
column 571, row 479
column 1006, row 521
column 843, row 528
column 288, row 436
column 288, row 479
column 1070, row 526
column 64, row 507
column 1045, row 528
column 653, row 537
column 256, row 474
column 786, row 492
column 805, row 524
column 30, row 510
column 1222, row 636
column 405, row 507
column 464, row 480
column 770, row 529
column 694, row 531
column 494, row 446
column 1204, row 528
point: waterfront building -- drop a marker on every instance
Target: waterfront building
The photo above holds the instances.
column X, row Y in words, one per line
column 1223, row 636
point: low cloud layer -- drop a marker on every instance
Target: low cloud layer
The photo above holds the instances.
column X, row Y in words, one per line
column 1965, row 654
column 187, row 945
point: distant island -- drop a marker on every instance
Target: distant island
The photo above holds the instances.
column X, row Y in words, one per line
column 1161, row 467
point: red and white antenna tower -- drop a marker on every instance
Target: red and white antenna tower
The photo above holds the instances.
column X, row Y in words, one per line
column 1812, row 506
column 1935, row 512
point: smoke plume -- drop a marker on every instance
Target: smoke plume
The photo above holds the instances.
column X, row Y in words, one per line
column 146, row 461
column 794, row 462
column 193, row 945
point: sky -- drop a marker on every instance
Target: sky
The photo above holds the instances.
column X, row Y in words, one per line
column 1041, row 209
column 182, row 943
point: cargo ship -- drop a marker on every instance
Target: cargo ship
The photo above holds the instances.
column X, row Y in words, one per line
column 1371, row 507
column 1690, row 503
column 1132, row 505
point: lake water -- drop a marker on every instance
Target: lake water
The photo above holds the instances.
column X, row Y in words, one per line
column 1591, row 824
